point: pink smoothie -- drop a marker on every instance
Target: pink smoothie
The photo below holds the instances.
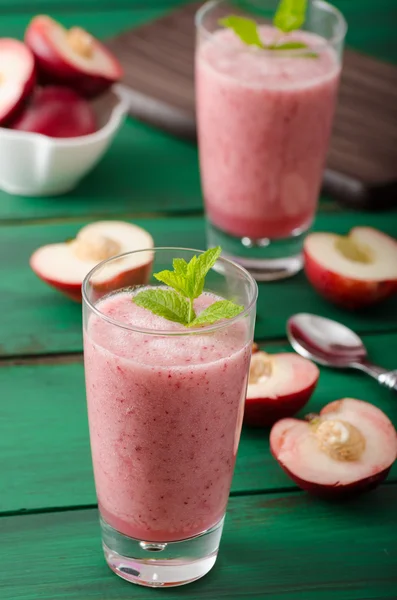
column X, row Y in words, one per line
column 264, row 123
column 165, row 417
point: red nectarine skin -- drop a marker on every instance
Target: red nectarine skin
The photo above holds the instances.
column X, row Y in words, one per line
column 19, row 107
column 53, row 68
column 337, row 492
column 53, row 72
column 139, row 276
column 57, row 112
column 70, row 290
column 349, row 293
column 264, row 412
column 14, row 111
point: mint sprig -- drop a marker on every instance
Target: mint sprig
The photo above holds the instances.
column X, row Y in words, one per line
column 187, row 282
column 290, row 15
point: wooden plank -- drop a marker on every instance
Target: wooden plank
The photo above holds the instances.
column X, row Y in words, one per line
column 44, row 450
column 284, row 547
column 44, row 321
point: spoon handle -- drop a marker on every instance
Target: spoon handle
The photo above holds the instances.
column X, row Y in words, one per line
column 389, row 379
column 386, row 378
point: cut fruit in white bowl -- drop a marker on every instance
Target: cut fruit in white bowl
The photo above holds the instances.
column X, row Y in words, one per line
column 64, row 266
column 58, row 112
column 353, row 271
column 348, row 448
column 71, row 57
column 279, row 385
column 33, row 164
column 17, row 78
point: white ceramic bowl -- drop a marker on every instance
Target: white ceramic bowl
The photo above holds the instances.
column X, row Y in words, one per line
column 32, row 164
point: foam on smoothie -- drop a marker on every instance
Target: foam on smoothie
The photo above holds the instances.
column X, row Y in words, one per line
column 152, row 349
column 227, row 55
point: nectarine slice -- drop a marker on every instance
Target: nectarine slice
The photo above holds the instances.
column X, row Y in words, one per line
column 64, row 266
column 57, row 112
column 279, row 385
column 348, row 448
column 355, row 270
column 71, row 57
column 17, row 78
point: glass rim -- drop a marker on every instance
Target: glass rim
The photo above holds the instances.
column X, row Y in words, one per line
column 170, row 332
column 321, row 4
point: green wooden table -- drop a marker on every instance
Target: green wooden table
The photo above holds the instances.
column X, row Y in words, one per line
column 278, row 542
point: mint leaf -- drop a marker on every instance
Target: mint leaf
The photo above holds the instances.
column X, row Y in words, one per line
column 288, row 46
column 175, row 280
column 294, row 46
column 223, row 309
column 164, row 303
column 180, row 266
column 197, row 270
column 188, row 278
column 191, row 274
column 290, row 15
column 245, row 29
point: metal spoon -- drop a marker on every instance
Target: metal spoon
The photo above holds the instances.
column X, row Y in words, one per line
column 332, row 344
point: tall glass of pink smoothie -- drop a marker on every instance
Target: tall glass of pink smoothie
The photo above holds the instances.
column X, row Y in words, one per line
column 165, row 408
column 264, row 120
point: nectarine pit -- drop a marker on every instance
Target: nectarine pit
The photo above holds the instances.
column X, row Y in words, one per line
column 339, row 439
column 350, row 249
column 80, row 42
column 90, row 245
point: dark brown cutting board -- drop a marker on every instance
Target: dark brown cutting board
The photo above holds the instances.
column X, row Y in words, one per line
column 158, row 59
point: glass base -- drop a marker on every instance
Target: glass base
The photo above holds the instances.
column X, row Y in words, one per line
column 161, row 564
column 265, row 259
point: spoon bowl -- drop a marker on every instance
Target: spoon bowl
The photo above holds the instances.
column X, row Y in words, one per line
column 331, row 344
column 327, row 342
